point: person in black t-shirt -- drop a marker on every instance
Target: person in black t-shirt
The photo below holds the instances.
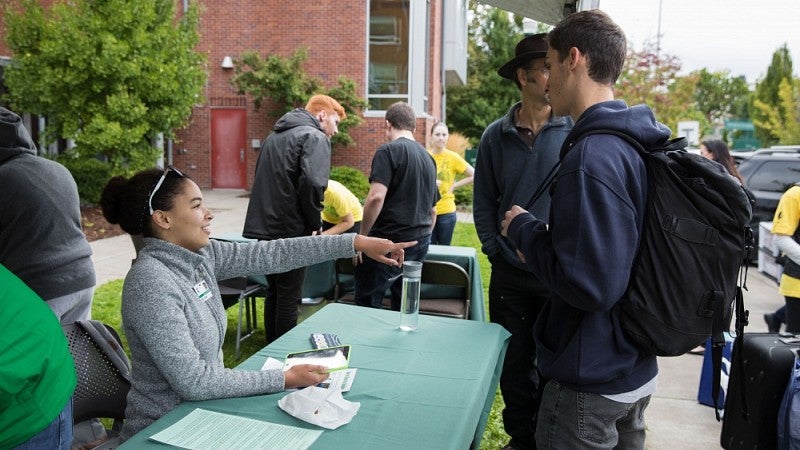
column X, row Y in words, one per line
column 400, row 205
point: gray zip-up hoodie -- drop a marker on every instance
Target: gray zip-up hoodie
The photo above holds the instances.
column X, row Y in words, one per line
column 41, row 240
column 175, row 323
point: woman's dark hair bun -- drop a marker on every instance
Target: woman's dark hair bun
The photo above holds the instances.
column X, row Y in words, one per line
column 110, row 197
column 124, row 200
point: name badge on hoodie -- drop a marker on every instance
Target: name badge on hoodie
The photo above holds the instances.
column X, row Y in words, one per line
column 202, row 290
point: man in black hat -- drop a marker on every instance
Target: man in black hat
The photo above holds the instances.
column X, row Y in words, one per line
column 516, row 154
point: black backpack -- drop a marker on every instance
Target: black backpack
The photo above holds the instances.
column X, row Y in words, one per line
column 691, row 254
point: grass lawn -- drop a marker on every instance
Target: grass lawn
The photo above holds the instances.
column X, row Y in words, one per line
column 106, row 308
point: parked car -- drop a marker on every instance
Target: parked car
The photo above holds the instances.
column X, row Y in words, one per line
column 768, row 175
column 741, row 155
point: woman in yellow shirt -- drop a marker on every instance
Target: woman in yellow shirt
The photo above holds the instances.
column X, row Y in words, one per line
column 785, row 235
column 448, row 164
column 341, row 210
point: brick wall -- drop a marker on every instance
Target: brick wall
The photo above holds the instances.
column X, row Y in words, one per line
column 335, row 34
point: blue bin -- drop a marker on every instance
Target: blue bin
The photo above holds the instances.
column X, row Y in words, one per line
column 704, row 395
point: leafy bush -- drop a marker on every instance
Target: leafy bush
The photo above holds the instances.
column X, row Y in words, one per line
column 90, row 174
column 352, row 179
column 286, row 83
column 464, row 196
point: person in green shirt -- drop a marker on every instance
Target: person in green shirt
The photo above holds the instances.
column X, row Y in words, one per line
column 37, row 375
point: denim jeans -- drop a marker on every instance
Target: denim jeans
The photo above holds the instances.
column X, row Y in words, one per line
column 372, row 277
column 570, row 419
column 443, row 230
column 57, row 435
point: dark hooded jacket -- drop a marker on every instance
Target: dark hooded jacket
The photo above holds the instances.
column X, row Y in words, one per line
column 41, row 240
column 291, row 176
column 586, row 255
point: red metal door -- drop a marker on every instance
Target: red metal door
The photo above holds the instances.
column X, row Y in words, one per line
column 228, row 144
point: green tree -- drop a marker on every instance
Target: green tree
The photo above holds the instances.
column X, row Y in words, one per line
column 782, row 120
column 768, row 93
column 285, row 83
column 721, row 96
column 652, row 78
column 110, row 75
column 493, row 35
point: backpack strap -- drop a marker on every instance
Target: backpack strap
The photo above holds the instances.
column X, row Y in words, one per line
column 543, row 186
column 717, row 344
column 673, row 144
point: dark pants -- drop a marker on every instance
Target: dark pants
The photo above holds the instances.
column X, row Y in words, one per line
column 284, row 294
column 515, row 299
column 354, row 229
column 792, row 314
column 372, row 278
column 443, row 230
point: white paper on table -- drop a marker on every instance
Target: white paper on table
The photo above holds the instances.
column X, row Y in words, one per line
column 203, row 429
column 271, row 364
column 341, row 378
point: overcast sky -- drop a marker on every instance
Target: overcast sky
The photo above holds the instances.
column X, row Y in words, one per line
column 737, row 35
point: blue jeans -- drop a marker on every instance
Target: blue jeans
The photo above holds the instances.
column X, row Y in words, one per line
column 443, row 230
column 57, row 435
column 372, row 277
column 570, row 419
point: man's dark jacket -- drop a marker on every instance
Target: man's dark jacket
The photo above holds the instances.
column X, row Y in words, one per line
column 291, row 176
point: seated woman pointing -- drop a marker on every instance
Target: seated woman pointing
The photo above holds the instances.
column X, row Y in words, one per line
column 172, row 311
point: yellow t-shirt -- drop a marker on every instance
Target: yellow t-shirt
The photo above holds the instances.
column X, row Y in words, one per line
column 339, row 202
column 787, row 217
column 448, row 164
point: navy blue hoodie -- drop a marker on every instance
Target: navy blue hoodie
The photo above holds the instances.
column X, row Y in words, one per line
column 585, row 257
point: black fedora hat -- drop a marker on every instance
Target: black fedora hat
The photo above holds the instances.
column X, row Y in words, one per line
column 528, row 48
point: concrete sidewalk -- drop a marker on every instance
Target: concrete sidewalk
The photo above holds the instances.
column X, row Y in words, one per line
column 675, row 420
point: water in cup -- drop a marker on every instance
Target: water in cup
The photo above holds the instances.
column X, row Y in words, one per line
column 409, row 299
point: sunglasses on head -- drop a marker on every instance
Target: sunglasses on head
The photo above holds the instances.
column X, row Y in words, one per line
column 160, row 182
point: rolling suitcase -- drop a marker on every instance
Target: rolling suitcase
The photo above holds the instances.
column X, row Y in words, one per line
column 761, row 376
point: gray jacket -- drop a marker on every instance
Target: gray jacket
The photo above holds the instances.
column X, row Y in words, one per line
column 41, row 240
column 175, row 332
column 507, row 173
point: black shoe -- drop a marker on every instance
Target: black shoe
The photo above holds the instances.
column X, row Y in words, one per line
column 773, row 324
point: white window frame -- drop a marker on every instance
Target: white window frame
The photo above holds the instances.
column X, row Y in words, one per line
column 417, row 68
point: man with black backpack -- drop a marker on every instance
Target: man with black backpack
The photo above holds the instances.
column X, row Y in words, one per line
column 599, row 381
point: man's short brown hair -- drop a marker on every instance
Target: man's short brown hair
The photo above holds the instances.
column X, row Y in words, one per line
column 598, row 37
column 401, row 116
column 320, row 102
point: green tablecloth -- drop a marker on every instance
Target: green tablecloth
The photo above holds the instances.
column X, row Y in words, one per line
column 428, row 389
column 321, row 279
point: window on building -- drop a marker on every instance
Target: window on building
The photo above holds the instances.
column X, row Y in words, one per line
column 397, row 30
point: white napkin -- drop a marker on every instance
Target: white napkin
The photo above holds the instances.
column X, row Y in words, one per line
column 322, row 407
